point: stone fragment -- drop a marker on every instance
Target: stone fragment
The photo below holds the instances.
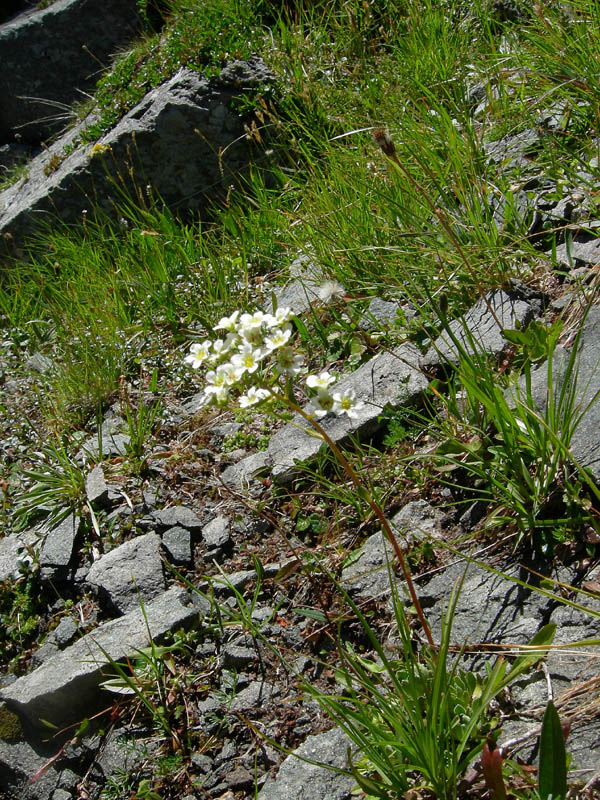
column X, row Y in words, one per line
column 389, row 379
column 14, row 551
column 580, row 250
column 217, row 536
column 185, row 138
column 176, row 516
column 258, row 693
column 480, row 329
column 57, row 547
column 96, row 489
column 129, row 573
column 381, row 314
column 299, row 780
column 64, row 688
column 177, row 542
column 51, row 55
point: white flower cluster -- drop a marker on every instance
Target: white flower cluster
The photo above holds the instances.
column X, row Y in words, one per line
column 254, row 354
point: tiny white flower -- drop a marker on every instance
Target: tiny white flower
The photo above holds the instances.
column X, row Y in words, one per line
column 199, row 352
column 229, row 374
column 346, row 403
column 322, row 381
column 221, row 347
column 247, row 359
column 216, row 394
column 253, row 396
column 227, row 323
column 280, row 317
column 278, row 338
column 321, row 404
column 251, row 321
column 288, row 362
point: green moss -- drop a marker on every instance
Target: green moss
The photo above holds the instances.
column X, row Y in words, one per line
column 10, row 725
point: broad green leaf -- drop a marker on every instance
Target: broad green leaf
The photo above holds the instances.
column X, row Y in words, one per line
column 553, row 757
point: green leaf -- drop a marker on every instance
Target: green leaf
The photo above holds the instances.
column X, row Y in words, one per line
column 553, row 757
column 313, row 613
column 542, row 639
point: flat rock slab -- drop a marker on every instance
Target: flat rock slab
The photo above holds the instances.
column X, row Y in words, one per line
column 389, row 379
column 585, row 441
column 299, row 780
column 50, row 59
column 480, row 330
column 493, row 608
column 64, row 688
column 183, row 138
column 368, row 575
column 130, row 572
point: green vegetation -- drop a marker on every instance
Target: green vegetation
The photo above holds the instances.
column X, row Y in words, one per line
column 382, row 125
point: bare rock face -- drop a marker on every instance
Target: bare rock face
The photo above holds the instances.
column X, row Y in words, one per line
column 50, row 57
column 184, row 143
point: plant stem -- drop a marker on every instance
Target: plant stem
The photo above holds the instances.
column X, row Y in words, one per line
column 364, row 492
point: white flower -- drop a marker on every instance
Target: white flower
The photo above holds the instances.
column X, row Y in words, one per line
column 278, row 338
column 247, row 359
column 280, row 317
column 288, row 362
column 345, row 403
column 329, row 290
column 199, row 352
column 253, row 396
column 227, row 323
column 320, row 382
column 216, row 394
column 321, row 404
column 221, row 347
column 251, row 321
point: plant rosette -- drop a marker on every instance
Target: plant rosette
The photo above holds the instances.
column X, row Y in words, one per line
column 256, row 363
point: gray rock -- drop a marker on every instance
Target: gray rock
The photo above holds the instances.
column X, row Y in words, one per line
column 302, row 290
column 177, row 542
column 368, row 575
column 174, row 516
column 96, row 489
column 514, row 150
column 247, row 470
column 186, row 140
column 57, row 547
column 50, row 57
column 237, row 656
column 259, row 692
column 585, row 385
column 39, row 363
column 381, row 314
column 299, row 780
column 217, row 536
column 66, row 686
column 580, row 249
column 130, row 573
column 19, row 761
column 390, row 378
column 480, row 330
column 14, row 550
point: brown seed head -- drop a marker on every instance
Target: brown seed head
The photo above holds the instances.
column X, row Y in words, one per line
column 384, row 141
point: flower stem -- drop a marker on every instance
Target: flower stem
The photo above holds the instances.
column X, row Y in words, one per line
column 376, row 508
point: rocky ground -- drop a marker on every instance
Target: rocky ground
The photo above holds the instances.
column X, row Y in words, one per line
column 165, row 637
